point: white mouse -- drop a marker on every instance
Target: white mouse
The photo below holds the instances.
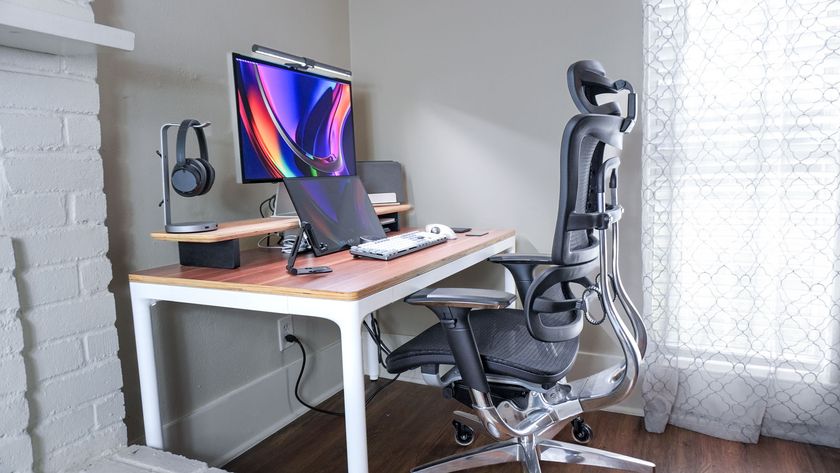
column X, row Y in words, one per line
column 441, row 229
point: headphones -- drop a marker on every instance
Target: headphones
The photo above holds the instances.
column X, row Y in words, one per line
column 192, row 177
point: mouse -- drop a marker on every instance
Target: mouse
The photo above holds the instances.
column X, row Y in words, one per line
column 441, row 229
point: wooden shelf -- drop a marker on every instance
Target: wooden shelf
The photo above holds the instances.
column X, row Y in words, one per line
column 37, row 30
column 254, row 227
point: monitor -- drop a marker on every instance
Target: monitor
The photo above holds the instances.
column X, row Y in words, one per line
column 290, row 123
column 338, row 210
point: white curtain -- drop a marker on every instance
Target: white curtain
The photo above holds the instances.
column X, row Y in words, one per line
column 741, row 218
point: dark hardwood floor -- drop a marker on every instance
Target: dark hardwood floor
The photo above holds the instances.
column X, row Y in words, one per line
column 409, row 424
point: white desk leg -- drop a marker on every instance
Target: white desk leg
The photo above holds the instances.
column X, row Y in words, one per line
column 142, row 314
column 510, row 284
column 371, row 351
column 354, row 395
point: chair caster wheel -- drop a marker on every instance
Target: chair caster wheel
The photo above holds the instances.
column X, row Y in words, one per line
column 581, row 431
column 464, row 434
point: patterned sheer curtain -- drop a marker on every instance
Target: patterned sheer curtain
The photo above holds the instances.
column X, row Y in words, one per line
column 741, row 219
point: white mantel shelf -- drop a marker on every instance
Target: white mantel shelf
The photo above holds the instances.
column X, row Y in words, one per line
column 38, row 30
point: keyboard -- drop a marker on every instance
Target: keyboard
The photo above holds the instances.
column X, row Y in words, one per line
column 397, row 245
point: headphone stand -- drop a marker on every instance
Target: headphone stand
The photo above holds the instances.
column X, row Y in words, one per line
column 169, row 227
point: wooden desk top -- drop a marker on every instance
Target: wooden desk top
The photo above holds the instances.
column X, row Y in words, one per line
column 254, row 227
column 264, row 271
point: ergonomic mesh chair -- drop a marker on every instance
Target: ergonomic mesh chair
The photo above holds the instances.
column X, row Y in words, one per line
column 510, row 365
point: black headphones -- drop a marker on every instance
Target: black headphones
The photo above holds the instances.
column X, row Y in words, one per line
column 192, row 177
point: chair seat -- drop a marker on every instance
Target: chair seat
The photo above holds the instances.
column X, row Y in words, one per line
column 505, row 345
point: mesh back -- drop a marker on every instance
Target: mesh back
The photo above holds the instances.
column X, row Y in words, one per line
column 581, row 157
column 579, row 239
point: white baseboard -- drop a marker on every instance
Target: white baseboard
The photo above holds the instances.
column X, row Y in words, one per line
column 226, row 427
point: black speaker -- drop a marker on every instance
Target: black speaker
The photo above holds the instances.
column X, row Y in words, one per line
column 380, row 177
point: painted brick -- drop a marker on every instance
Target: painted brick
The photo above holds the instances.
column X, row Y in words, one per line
column 8, row 292
column 8, row 317
column 82, row 65
column 14, row 415
column 48, row 284
column 68, row 391
column 21, row 59
column 56, row 358
column 163, row 461
column 71, row 317
column 65, row 429
column 109, row 411
column 27, row 132
column 7, row 254
column 95, row 275
column 11, row 337
column 73, row 456
column 101, row 345
column 12, row 373
column 83, row 131
column 17, row 454
column 111, row 466
column 28, row 91
column 68, row 244
column 33, row 211
column 53, row 172
column 87, row 208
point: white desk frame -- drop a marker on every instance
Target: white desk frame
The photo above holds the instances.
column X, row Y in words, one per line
column 348, row 315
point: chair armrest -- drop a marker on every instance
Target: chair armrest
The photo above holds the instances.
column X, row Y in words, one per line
column 453, row 307
column 520, row 258
column 462, row 297
column 521, row 267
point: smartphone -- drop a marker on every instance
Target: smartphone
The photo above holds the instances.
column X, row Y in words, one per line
column 478, row 233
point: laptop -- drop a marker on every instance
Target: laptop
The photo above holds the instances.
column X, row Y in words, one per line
column 338, row 210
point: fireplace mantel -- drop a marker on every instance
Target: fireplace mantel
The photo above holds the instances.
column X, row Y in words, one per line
column 37, row 30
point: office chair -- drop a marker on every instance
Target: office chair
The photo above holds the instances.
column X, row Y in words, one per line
column 510, row 365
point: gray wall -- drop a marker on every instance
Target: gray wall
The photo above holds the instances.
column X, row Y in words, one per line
column 179, row 70
column 471, row 97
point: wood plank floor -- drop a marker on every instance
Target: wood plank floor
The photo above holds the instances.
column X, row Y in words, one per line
column 409, row 424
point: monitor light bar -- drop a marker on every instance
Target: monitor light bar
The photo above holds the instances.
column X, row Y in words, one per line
column 300, row 61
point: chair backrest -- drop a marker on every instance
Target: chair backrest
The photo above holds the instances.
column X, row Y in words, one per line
column 584, row 168
column 582, row 155
column 581, row 158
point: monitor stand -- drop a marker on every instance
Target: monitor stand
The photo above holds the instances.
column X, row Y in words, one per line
column 283, row 207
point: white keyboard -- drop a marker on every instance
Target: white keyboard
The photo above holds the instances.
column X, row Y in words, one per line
column 397, row 245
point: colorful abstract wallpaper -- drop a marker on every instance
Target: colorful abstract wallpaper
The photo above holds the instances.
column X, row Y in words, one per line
column 292, row 123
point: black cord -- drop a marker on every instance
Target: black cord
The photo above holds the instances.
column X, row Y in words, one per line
column 376, row 334
column 294, row 339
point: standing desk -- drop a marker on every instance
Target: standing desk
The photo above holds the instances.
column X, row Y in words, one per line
column 354, row 289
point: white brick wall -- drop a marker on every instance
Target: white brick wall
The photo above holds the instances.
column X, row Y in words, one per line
column 15, row 445
column 60, row 379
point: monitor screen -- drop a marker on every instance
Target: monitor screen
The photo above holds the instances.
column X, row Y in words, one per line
column 291, row 123
column 339, row 210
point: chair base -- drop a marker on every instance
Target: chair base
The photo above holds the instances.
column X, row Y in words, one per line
column 529, row 451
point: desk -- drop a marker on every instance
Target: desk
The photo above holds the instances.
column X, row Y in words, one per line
column 354, row 289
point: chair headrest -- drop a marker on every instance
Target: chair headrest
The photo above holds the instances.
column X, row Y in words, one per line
column 587, row 80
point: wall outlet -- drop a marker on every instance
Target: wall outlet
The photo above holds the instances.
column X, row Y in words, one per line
column 284, row 327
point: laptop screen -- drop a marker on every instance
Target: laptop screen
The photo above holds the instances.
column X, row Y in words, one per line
column 338, row 208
